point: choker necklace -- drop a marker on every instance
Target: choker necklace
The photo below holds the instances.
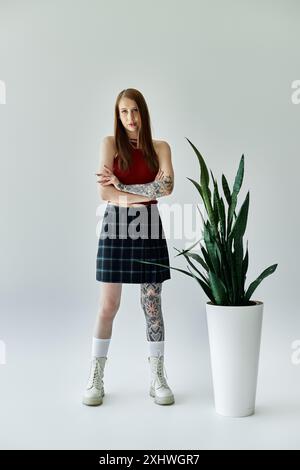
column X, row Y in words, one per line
column 132, row 141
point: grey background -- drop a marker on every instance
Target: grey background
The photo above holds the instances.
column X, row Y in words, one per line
column 217, row 72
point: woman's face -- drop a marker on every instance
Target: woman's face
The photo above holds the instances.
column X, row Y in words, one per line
column 130, row 117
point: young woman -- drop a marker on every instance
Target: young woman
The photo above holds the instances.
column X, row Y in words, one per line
column 134, row 171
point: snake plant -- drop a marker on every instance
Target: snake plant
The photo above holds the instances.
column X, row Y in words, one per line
column 223, row 260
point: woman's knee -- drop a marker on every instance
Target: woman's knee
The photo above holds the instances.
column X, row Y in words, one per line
column 110, row 300
column 150, row 291
column 109, row 309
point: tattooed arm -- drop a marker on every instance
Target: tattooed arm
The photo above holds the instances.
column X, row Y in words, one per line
column 156, row 188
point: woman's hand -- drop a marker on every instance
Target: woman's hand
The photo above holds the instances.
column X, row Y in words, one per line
column 107, row 177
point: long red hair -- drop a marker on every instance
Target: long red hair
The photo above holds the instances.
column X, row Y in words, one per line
column 122, row 143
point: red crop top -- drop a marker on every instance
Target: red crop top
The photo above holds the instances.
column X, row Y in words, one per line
column 138, row 173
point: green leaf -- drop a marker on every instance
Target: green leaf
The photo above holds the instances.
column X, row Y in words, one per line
column 198, row 258
column 226, row 190
column 226, row 276
column 236, row 187
column 204, row 179
column 211, row 248
column 206, row 288
column 262, row 276
column 207, row 203
column 212, row 177
column 240, row 223
column 218, row 289
column 232, row 272
column 186, row 250
column 198, row 187
column 223, row 217
column 215, row 206
column 206, row 257
column 221, row 211
column 162, row 265
column 195, row 268
column 238, row 261
column 245, row 268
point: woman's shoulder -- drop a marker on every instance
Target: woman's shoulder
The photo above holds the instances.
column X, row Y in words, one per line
column 162, row 148
column 160, row 144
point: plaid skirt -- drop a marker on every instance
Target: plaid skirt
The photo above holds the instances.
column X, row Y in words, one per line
column 130, row 234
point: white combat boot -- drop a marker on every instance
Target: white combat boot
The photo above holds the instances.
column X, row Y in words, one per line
column 159, row 389
column 94, row 391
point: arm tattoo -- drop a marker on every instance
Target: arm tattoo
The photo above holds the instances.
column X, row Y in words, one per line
column 156, row 188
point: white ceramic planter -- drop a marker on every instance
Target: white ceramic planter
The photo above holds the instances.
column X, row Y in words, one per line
column 234, row 335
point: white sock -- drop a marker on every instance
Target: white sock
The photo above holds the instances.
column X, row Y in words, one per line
column 100, row 347
column 156, row 348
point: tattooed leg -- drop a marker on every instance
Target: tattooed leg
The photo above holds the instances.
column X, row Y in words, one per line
column 151, row 304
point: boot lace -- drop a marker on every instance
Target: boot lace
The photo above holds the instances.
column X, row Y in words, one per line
column 160, row 372
column 96, row 375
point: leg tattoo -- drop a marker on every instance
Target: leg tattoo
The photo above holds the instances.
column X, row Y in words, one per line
column 151, row 304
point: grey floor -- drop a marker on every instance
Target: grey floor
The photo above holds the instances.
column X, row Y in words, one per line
column 42, row 382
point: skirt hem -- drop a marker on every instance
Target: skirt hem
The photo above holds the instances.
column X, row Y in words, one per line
column 125, row 281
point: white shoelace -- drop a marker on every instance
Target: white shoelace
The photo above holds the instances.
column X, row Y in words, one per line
column 160, row 371
column 96, row 375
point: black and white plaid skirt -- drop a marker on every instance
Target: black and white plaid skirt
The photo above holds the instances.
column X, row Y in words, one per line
column 129, row 234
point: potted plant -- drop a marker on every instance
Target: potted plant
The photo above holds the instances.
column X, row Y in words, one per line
column 234, row 320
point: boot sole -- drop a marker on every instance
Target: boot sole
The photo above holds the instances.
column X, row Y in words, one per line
column 162, row 400
column 92, row 401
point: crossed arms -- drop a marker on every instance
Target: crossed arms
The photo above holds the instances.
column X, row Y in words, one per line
column 154, row 189
column 162, row 186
